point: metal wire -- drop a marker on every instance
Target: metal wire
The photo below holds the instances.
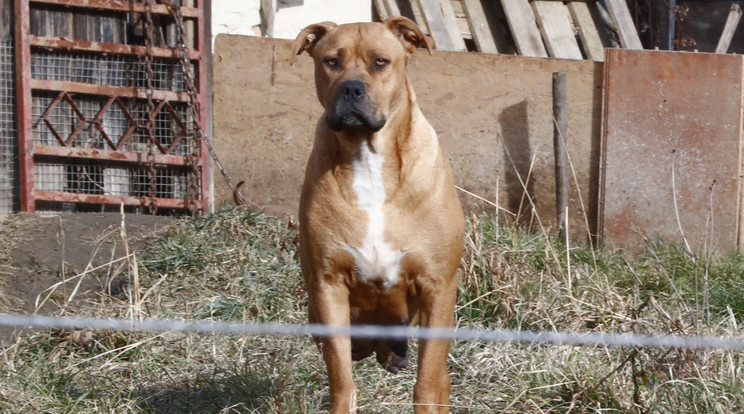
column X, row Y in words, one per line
column 92, row 178
column 381, row 332
column 115, row 123
column 108, row 70
column 175, row 11
column 7, row 127
column 92, row 122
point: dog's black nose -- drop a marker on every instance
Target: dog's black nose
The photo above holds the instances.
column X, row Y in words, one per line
column 353, row 90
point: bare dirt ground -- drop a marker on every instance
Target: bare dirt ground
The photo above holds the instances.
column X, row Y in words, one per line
column 41, row 251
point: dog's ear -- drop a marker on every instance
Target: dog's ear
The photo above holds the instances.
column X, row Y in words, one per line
column 409, row 33
column 309, row 37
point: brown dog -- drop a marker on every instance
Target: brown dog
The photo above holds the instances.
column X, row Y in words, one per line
column 381, row 228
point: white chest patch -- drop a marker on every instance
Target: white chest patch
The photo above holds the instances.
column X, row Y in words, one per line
column 376, row 261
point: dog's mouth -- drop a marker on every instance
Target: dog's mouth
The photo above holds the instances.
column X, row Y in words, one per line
column 352, row 108
column 339, row 121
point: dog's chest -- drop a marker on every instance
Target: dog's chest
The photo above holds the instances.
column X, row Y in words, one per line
column 375, row 260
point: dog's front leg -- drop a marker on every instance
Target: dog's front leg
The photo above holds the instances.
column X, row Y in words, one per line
column 432, row 390
column 330, row 306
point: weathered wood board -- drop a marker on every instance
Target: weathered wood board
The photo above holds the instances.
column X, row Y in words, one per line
column 624, row 23
column 479, row 27
column 554, row 22
column 588, row 33
column 432, row 14
column 523, row 27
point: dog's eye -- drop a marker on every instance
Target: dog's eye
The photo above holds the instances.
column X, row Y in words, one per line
column 331, row 62
column 381, row 62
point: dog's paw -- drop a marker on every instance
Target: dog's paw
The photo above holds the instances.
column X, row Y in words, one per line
column 393, row 363
column 393, row 355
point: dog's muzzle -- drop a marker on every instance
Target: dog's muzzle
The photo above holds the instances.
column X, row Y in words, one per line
column 351, row 107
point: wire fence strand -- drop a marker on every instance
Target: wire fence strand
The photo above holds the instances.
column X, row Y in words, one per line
column 632, row 340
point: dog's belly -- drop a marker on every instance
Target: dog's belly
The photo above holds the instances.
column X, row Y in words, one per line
column 369, row 305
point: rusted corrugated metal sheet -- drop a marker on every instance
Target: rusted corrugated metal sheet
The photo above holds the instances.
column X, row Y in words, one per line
column 671, row 151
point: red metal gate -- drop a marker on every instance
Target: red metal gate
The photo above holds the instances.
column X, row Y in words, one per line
column 86, row 133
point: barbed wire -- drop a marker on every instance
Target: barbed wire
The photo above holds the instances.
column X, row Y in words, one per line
column 632, row 340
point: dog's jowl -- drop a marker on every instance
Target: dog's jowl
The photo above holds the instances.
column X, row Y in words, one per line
column 381, row 228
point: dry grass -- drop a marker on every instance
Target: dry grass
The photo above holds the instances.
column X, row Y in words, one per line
column 240, row 266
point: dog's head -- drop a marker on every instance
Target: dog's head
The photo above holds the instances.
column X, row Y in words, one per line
column 360, row 68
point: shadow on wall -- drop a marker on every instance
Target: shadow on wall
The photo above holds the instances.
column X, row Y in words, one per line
column 518, row 163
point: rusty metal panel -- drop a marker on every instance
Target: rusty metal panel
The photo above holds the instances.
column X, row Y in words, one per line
column 82, row 118
column 79, row 87
column 122, row 6
column 116, row 156
column 170, row 203
column 102, row 47
column 671, row 155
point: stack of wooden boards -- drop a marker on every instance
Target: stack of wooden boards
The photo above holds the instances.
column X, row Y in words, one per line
column 576, row 29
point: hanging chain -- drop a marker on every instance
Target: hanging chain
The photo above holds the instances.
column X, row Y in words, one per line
column 194, row 105
column 150, row 121
column 188, row 76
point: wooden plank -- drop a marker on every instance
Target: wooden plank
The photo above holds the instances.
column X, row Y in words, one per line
column 499, row 27
column 524, row 30
column 732, row 22
column 434, row 18
column 268, row 12
column 411, row 10
column 462, row 20
column 450, row 20
column 392, row 8
column 554, row 23
column 626, row 30
column 479, row 28
column 408, row 9
column 590, row 39
column 381, row 10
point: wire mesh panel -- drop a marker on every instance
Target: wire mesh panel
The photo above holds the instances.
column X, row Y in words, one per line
column 124, row 180
column 7, row 127
column 111, row 123
column 111, row 70
column 109, row 120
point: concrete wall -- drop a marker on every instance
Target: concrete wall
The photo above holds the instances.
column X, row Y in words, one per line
column 493, row 115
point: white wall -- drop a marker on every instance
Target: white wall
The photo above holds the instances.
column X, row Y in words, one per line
column 242, row 16
column 236, row 17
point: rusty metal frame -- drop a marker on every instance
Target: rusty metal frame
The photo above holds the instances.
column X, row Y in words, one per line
column 23, row 104
column 25, row 84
